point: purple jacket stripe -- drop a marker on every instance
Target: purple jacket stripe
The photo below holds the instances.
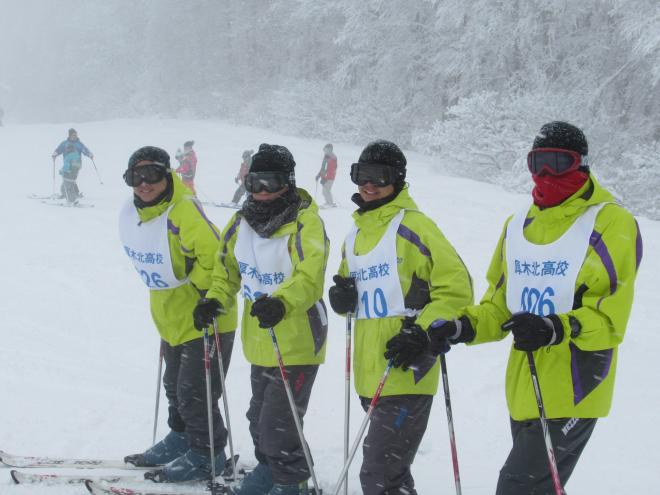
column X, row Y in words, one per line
column 172, row 228
column 230, row 232
column 201, row 212
column 299, row 248
column 639, row 246
column 599, row 246
column 500, row 282
column 411, row 236
column 578, row 394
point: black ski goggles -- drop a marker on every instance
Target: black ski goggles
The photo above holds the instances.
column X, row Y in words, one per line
column 375, row 173
column 553, row 161
column 149, row 173
column 271, row 182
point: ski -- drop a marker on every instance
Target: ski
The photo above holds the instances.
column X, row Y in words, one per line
column 67, row 205
column 198, row 488
column 52, row 479
column 18, row 461
column 43, row 196
column 326, row 207
column 234, row 206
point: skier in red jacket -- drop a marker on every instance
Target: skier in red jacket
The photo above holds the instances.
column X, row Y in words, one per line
column 188, row 165
column 327, row 174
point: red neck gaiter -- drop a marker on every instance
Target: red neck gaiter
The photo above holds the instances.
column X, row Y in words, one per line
column 551, row 190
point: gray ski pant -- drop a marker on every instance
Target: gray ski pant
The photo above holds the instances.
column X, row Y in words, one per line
column 396, row 429
column 185, row 387
column 273, row 430
column 69, row 187
column 526, row 470
column 327, row 191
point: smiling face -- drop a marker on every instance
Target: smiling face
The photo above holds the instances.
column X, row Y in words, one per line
column 369, row 192
column 149, row 192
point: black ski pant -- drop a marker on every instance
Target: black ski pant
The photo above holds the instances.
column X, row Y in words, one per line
column 185, row 386
column 526, row 470
column 273, row 430
column 396, row 429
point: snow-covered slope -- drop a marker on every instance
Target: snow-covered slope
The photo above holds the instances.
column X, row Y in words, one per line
column 78, row 353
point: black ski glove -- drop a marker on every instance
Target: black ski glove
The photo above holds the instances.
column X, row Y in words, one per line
column 268, row 310
column 531, row 332
column 343, row 295
column 408, row 345
column 205, row 311
column 444, row 333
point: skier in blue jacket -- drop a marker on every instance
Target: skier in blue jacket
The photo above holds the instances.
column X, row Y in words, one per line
column 71, row 150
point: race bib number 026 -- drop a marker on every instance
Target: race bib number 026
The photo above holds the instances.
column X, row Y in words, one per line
column 534, row 301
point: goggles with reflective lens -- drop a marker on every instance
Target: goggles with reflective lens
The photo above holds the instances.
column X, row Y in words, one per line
column 149, row 173
column 554, row 161
column 271, row 182
column 375, row 173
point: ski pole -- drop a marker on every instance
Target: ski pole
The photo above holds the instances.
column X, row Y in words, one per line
column 544, row 426
column 225, row 401
column 347, row 393
column 294, row 410
column 209, row 413
column 363, row 427
column 97, row 171
column 450, row 424
column 206, row 197
column 158, row 379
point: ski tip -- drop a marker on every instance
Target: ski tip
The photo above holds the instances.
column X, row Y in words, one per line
column 89, row 484
column 14, row 476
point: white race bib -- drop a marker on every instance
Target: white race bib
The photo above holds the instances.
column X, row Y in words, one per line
column 376, row 275
column 541, row 277
column 147, row 245
column 264, row 263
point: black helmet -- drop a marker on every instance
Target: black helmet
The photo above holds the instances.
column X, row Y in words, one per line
column 562, row 135
column 149, row 153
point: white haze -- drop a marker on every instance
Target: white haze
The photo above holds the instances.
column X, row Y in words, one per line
column 468, row 82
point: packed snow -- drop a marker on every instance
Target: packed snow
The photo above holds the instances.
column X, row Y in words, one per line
column 79, row 355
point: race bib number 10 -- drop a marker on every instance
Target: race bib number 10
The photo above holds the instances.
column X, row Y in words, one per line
column 375, row 302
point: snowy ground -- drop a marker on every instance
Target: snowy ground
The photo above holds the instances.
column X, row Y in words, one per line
column 79, row 351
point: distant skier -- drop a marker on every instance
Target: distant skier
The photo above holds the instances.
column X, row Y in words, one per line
column 274, row 250
column 173, row 245
column 240, row 178
column 561, row 281
column 187, row 164
column 326, row 175
column 72, row 150
column 397, row 276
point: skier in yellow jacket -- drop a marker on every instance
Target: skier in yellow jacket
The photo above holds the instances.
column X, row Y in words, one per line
column 562, row 282
column 398, row 274
column 172, row 245
column 274, row 251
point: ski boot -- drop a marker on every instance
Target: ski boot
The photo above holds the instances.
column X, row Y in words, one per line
column 192, row 465
column 259, row 481
column 297, row 489
column 174, row 445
